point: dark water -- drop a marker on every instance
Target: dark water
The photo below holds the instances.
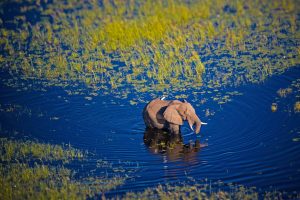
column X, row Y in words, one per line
column 246, row 142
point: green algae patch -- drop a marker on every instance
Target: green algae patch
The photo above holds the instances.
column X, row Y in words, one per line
column 33, row 170
column 125, row 47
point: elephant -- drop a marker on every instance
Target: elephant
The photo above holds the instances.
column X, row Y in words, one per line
column 170, row 115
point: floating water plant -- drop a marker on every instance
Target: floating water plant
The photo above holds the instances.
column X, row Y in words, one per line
column 297, row 107
column 274, row 107
column 291, row 95
column 284, row 92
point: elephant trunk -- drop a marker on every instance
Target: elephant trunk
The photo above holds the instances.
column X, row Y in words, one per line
column 194, row 120
column 198, row 126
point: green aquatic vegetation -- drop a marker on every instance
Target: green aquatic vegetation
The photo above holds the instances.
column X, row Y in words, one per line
column 296, row 139
column 19, row 110
column 209, row 112
column 283, row 92
column 21, row 181
column 17, row 150
column 292, row 93
column 164, row 45
column 274, row 107
column 33, row 170
column 9, row 107
column 205, row 191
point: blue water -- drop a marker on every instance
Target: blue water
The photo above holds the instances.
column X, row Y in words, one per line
column 245, row 143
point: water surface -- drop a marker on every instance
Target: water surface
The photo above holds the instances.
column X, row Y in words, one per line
column 245, row 142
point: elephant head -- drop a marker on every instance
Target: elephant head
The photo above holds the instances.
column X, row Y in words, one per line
column 177, row 112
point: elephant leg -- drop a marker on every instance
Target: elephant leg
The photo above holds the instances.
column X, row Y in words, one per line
column 174, row 128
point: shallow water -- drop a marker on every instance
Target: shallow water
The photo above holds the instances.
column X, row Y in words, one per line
column 244, row 142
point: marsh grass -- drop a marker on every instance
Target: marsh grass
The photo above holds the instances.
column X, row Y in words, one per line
column 37, row 151
column 163, row 45
column 33, row 170
column 206, row 191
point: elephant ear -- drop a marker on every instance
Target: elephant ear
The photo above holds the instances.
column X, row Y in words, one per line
column 171, row 115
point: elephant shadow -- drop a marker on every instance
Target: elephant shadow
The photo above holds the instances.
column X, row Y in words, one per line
column 171, row 145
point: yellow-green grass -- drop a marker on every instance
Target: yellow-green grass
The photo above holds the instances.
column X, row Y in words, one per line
column 16, row 150
column 152, row 46
column 207, row 191
column 33, row 170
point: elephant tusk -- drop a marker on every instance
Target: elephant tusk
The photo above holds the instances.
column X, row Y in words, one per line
column 203, row 123
column 191, row 127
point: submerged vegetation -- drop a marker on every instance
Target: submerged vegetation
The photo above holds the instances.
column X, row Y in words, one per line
column 149, row 46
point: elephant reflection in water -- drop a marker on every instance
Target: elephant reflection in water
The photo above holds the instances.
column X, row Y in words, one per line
column 159, row 141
